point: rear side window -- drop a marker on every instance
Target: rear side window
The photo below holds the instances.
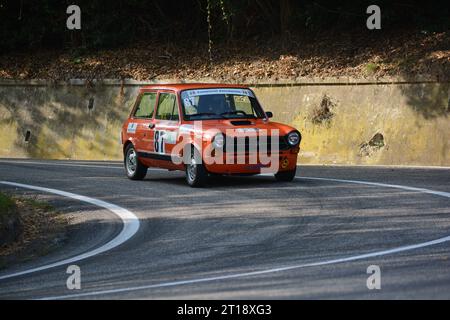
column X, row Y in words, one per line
column 167, row 107
column 146, row 105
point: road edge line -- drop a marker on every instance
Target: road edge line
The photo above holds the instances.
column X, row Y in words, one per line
column 130, row 227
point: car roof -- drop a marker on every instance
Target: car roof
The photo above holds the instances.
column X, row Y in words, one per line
column 187, row 86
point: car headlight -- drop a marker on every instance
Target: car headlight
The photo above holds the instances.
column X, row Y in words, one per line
column 218, row 141
column 293, row 138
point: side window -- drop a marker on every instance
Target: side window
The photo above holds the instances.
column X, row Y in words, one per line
column 243, row 103
column 146, row 105
column 167, row 107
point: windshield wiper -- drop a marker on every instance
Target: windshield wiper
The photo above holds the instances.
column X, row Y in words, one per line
column 238, row 112
column 205, row 114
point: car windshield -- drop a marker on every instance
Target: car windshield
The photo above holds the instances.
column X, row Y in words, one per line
column 220, row 103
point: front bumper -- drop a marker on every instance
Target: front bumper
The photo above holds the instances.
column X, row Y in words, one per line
column 252, row 164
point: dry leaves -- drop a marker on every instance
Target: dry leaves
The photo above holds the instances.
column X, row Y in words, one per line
column 404, row 54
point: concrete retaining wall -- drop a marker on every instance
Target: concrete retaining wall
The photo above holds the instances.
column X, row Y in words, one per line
column 342, row 122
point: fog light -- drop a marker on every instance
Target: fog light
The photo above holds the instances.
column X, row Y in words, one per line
column 284, row 163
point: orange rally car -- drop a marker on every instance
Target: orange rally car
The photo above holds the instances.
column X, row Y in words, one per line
column 205, row 130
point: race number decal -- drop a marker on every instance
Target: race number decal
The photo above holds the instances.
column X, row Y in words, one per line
column 159, row 142
column 162, row 138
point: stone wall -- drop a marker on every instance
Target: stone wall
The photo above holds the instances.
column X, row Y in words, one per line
column 342, row 122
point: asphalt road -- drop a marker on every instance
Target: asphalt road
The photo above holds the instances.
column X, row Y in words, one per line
column 229, row 241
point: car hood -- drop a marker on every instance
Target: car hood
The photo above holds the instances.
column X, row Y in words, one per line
column 239, row 126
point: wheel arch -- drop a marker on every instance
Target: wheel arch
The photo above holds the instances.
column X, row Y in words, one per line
column 125, row 145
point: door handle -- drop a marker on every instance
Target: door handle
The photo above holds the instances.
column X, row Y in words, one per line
column 151, row 125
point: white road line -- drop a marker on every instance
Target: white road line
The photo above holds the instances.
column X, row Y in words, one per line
column 110, row 164
column 130, row 227
column 273, row 270
column 380, row 166
column 385, row 185
column 106, row 166
column 62, row 164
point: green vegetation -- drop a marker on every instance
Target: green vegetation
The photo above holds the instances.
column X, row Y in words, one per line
column 29, row 227
column 371, row 68
column 105, row 24
column 6, row 204
column 227, row 40
column 9, row 220
column 37, row 204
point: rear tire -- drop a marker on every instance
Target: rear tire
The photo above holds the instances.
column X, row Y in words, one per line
column 134, row 169
column 196, row 173
column 285, row 176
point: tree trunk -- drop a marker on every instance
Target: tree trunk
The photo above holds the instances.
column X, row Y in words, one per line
column 285, row 16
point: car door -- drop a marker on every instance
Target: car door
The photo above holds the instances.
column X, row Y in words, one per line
column 167, row 121
column 143, row 119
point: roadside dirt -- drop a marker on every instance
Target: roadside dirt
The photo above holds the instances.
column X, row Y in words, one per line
column 41, row 230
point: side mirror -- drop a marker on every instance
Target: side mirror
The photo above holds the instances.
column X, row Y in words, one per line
column 269, row 114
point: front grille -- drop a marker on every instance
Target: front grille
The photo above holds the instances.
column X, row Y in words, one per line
column 245, row 145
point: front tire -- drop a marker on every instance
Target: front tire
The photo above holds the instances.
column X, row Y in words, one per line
column 134, row 169
column 285, row 176
column 196, row 173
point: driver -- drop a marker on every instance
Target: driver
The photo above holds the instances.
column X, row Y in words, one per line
column 214, row 103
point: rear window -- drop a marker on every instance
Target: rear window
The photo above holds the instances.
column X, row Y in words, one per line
column 146, row 105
